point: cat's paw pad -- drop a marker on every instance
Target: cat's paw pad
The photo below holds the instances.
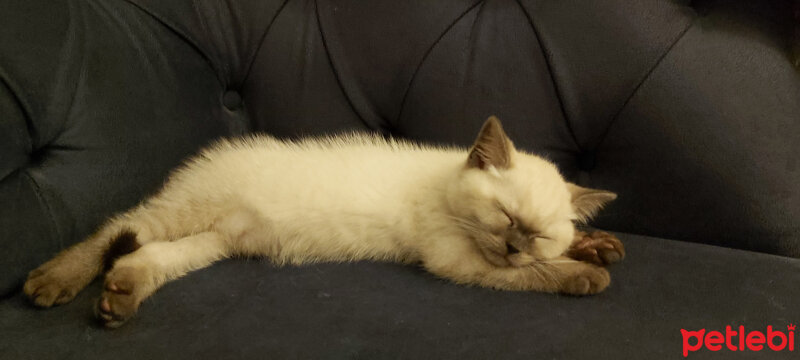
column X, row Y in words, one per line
column 122, row 294
column 599, row 248
column 51, row 284
column 588, row 281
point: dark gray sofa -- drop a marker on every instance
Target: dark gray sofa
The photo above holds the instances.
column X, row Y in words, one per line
column 690, row 112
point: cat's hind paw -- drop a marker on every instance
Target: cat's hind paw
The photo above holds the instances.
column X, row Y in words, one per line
column 599, row 248
column 54, row 283
column 122, row 294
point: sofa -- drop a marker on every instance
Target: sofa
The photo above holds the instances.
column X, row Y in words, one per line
column 689, row 111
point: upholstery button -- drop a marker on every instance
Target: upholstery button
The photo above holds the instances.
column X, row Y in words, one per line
column 587, row 161
column 232, row 100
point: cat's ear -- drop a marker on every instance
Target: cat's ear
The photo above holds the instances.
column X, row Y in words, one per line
column 587, row 202
column 491, row 148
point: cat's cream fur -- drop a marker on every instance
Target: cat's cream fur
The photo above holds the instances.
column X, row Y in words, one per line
column 493, row 216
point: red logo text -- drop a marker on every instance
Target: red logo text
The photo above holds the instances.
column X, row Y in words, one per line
column 738, row 340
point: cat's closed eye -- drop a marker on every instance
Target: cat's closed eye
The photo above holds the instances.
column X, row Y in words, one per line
column 511, row 222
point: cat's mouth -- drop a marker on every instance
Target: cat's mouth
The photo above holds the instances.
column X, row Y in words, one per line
column 511, row 250
column 509, row 256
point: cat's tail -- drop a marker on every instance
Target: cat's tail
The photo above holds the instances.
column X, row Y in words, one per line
column 122, row 243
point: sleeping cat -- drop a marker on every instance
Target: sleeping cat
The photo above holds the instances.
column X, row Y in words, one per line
column 491, row 216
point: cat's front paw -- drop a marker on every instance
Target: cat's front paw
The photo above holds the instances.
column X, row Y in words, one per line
column 599, row 248
column 55, row 282
column 122, row 293
column 587, row 281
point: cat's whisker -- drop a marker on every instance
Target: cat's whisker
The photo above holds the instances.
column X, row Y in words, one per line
column 558, row 261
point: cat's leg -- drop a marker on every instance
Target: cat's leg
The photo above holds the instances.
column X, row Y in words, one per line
column 58, row 280
column 560, row 275
column 135, row 276
column 599, row 248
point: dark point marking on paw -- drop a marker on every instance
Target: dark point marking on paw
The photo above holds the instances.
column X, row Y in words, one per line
column 122, row 244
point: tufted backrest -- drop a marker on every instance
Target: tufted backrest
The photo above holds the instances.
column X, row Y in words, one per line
column 693, row 118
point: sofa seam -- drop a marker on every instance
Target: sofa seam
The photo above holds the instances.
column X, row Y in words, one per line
column 259, row 46
column 24, row 109
column 428, row 52
column 188, row 39
column 338, row 76
column 641, row 82
column 551, row 74
column 84, row 46
column 206, row 31
column 43, row 200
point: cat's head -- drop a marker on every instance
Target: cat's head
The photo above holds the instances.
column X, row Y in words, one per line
column 516, row 206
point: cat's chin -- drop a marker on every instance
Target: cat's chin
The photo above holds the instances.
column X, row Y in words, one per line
column 520, row 260
column 495, row 258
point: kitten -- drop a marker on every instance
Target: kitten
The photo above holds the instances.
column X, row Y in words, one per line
column 492, row 216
